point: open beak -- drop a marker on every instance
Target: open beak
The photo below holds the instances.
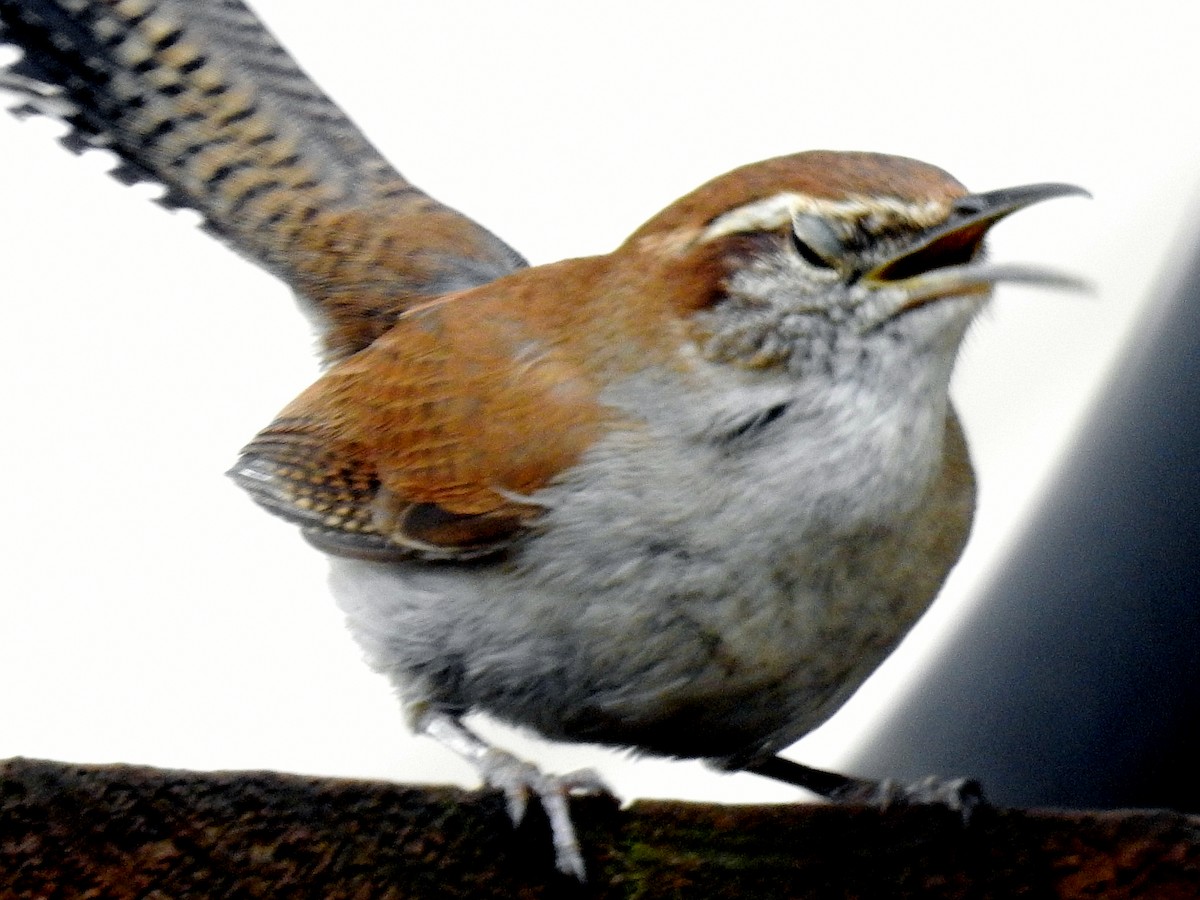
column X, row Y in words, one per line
column 942, row 263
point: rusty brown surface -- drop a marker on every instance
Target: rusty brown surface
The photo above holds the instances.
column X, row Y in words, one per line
column 125, row 832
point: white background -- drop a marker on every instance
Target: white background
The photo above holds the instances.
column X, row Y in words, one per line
column 152, row 614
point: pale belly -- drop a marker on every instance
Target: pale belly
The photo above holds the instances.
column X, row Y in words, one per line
column 678, row 640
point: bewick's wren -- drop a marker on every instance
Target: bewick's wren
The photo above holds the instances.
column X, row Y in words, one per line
column 684, row 497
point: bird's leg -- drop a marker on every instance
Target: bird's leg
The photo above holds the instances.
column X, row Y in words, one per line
column 519, row 780
column 962, row 795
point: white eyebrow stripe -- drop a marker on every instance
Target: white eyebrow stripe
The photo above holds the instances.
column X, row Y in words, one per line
column 779, row 210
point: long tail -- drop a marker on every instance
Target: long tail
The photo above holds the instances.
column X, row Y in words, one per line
column 197, row 96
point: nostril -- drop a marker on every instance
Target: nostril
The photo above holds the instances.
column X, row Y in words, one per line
column 970, row 205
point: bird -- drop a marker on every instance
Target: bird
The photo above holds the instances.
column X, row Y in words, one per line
column 683, row 497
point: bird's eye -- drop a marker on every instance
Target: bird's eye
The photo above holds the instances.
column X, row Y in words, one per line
column 808, row 254
column 815, row 241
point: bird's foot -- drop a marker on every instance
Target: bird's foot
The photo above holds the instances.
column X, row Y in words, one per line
column 520, row 780
column 961, row 795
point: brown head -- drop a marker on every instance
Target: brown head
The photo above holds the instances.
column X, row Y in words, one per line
column 817, row 174
column 763, row 257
